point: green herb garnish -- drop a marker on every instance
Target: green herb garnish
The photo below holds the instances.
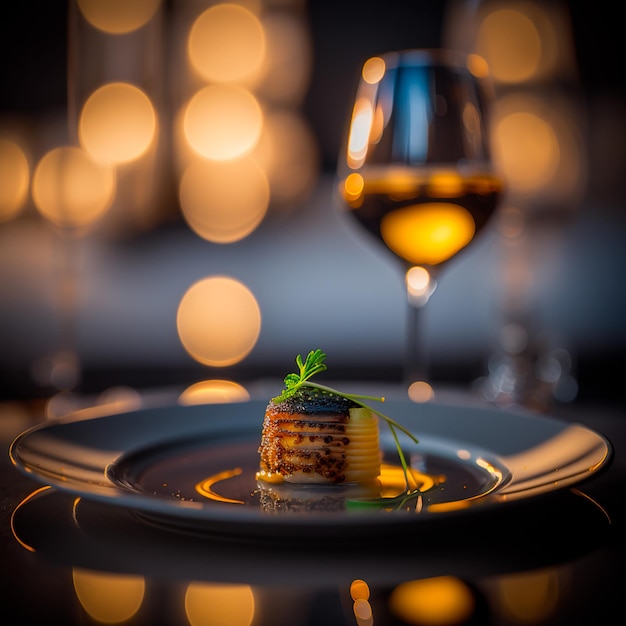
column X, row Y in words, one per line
column 314, row 364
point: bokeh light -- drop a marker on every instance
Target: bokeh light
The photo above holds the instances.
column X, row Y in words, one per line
column 420, row 392
column 525, row 41
column 359, row 590
column 14, row 179
column 214, row 391
column 224, row 202
column 352, row 189
column 373, row 70
column 478, row 66
column 529, row 597
column 363, row 612
column 441, row 601
column 522, row 42
column 537, row 147
column 61, row 370
column 248, row 68
column 117, row 123
column 218, row 321
column 511, row 43
column 109, row 598
column 222, row 122
column 214, row 604
column 419, row 283
column 70, row 189
column 227, row 44
column 360, row 129
column 118, row 16
column 527, row 150
column 362, row 609
column 119, row 399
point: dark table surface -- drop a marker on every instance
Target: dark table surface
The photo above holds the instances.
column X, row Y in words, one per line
column 555, row 559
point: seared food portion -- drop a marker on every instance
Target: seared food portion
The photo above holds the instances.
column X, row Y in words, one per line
column 315, row 436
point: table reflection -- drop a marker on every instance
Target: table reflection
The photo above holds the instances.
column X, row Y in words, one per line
column 126, row 570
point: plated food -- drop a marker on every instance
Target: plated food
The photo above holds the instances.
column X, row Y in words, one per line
column 194, row 468
column 314, row 434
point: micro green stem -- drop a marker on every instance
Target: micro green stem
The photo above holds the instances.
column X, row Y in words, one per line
column 393, row 425
column 405, row 468
column 357, row 399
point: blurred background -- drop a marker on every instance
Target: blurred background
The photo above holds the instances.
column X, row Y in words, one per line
column 167, row 207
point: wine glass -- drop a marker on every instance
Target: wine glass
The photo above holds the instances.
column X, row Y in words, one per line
column 415, row 170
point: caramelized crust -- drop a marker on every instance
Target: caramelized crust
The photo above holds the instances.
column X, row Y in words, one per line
column 310, row 437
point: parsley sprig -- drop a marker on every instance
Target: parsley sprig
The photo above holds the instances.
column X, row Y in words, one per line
column 314, row 364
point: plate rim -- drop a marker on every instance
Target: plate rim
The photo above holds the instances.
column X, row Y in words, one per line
column 193, row 515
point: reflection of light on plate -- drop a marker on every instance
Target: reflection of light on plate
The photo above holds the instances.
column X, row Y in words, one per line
column 393, row 482
column 214, row 391
column 18, row 507
column 205, row 488
column 563, row 457
column 390, row 484
column 464, row 503
column 597, row 505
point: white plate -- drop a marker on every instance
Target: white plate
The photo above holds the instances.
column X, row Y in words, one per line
column 158, row 463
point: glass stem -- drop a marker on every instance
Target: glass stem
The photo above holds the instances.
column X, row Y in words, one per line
column 420, row 285
column 417, row 362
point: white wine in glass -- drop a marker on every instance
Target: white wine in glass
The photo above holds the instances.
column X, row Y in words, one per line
column 415, row 171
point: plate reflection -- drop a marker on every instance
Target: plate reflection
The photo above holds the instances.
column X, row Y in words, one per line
column 125, row 570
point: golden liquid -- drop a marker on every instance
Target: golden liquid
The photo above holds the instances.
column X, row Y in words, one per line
column 425, row 217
